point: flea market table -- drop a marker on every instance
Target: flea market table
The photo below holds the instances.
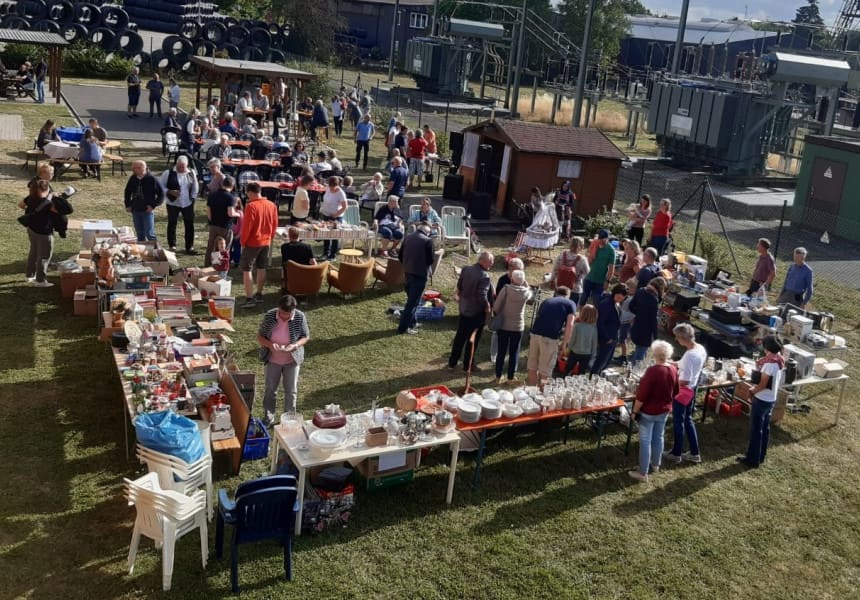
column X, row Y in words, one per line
column 298, row 450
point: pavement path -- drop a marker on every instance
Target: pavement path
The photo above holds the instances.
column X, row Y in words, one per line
column 108, row 105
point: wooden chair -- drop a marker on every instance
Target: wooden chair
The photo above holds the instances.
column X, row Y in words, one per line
column 304, row 280
column 350, row 278
column 390, row 273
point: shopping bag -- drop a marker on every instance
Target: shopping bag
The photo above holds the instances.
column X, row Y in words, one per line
column 169, row 433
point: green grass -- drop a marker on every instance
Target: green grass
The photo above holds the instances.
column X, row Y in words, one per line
column 550, row 520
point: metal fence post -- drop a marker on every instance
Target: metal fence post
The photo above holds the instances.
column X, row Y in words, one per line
column 641, row 179
column 420, row 107
column 779, row 230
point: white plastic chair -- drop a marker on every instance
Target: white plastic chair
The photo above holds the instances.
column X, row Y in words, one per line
column 164, row 516
column 454, row 228
column 177, row 475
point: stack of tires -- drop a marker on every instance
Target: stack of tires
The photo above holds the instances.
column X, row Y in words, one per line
column 242, row 40
column 105, row 25
column 165, row 15
column 199, row 30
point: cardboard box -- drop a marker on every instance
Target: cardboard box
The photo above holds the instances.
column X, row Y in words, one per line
column 215, row 286
column 369, row 468
column 160, row 268
column 779, row 409
column 86, row 301
column 73, row 281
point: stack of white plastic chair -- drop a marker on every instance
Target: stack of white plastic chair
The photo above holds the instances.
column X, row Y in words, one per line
column 177, row 475
column 165, row 516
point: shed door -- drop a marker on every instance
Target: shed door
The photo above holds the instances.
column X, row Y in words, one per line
column 824, row 196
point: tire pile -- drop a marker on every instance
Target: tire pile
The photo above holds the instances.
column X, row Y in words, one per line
column 198, row 29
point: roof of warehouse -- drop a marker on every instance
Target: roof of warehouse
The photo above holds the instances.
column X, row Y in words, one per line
column 707, row 31
column 542, row 138
column 41, row 38
column 250, row 67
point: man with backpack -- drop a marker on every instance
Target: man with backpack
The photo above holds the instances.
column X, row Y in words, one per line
column 571, row 268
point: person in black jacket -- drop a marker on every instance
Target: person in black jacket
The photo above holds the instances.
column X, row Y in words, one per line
column 143, row 194
column 40, row 229
column 416, row 254
column 645, row 306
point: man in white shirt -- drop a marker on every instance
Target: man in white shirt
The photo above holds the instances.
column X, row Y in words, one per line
column 245, row 104
column 181, row 189
column 322, row 164
column 173, row 93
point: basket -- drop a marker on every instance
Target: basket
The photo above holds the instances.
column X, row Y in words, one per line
column 430, row 313
column 256, row 447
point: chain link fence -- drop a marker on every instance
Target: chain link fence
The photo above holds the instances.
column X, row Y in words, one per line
column 738, row 217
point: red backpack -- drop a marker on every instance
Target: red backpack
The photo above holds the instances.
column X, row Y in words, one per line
column 567, row 275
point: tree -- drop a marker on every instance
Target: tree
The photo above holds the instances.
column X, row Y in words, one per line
column 609, row 24
column 313, row 25
column 809, row 14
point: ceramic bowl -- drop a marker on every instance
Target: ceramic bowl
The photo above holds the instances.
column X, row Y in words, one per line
column 489, row 394
column 491, row 409
column 512, row 411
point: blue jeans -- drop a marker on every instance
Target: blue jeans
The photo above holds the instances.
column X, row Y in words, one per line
column 330, row 247
column 658, row 242
column 40, row 91
column 682, row 422
column 509, row 342
column 651, row 429
column 591, row 291
column 414, row 291
column 604, row 355
column 144, row 225
column 759, row 431
column 639, row 353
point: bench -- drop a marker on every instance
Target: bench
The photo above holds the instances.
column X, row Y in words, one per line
column 115, row 159
column 62, row 165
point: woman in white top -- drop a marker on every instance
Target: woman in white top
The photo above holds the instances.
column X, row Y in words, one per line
column 763, row 396
column 333, row 208
column 689, row 368
column 301, row 202
column 337, row 115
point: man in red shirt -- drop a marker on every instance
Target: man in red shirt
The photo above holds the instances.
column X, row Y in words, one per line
column 259, row 223
column 417, row 147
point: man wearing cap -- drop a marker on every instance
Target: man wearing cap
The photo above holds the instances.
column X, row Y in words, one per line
column 608, row 324
column 602, row 269
column 765, row 268
column 553, row 315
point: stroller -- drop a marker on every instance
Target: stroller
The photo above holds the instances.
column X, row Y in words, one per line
column 542, row 234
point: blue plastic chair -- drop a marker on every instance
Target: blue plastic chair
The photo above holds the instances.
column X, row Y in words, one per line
column 263, row 509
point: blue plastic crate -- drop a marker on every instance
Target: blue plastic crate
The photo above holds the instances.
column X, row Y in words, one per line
column 430, row 313
column 256, row 447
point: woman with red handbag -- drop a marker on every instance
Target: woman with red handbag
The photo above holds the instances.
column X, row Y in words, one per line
column 689, row 368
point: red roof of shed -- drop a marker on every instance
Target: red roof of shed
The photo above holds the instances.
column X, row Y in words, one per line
column 542, row 138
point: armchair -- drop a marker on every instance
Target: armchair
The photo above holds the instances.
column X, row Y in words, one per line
column 304, row 280
column 350, row 278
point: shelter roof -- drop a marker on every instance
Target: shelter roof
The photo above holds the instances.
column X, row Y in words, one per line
column 39, row 38
column 250, row 67
column 706, row 31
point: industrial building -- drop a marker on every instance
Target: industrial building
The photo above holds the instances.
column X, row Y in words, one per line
column 368, row 25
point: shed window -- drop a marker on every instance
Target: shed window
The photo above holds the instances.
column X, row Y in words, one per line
column 418, row 20
column 569, row 169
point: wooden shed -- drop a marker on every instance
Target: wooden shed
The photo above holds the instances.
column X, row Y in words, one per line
column 507, row 158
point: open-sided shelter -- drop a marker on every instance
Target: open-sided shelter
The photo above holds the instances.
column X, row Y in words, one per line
column 54, row 43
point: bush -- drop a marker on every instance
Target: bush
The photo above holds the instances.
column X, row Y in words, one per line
column 85, row 60
column 606, row 219
column 16, row 54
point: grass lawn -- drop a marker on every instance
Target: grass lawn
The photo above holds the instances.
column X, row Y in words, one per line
column 550, row 520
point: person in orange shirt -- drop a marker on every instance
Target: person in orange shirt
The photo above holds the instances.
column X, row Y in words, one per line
column 259, row 222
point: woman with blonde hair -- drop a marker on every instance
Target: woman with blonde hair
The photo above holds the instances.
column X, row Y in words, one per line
column 657, row 388
column 632, row 259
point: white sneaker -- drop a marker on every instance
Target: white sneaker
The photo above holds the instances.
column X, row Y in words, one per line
column 31, row 279
column 412, row 331
column 638, row 476
column 693, row 458
column 42, row 284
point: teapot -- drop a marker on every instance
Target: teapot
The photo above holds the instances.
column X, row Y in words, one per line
column 443, row 418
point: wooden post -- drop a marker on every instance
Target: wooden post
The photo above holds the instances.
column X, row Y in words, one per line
column 59, row 69
column 199, row 76
column 534, row 92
